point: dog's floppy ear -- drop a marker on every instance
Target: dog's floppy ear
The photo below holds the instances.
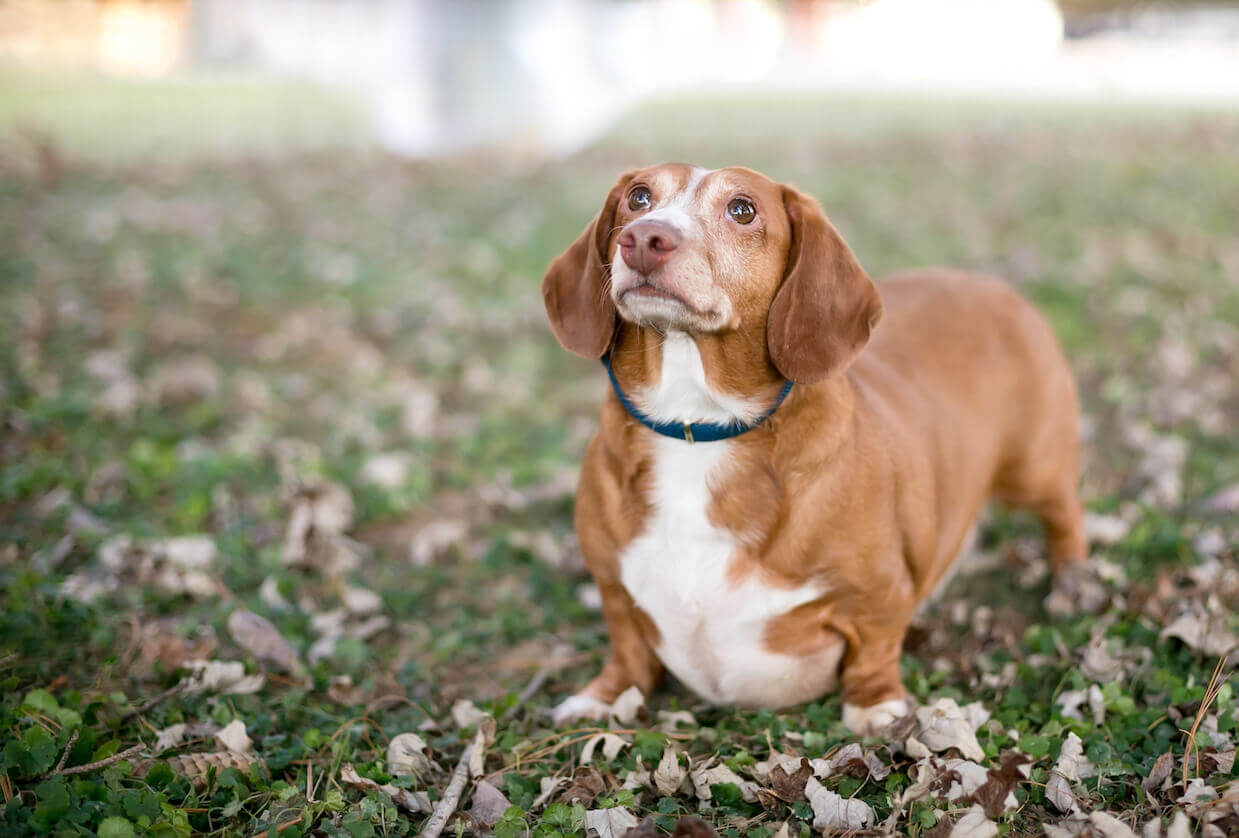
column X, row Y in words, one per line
column 577, row 288
column 826, row 307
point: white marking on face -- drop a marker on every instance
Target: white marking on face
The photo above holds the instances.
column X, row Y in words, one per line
column 687, row 275
column 711, row 631
column 683, row 395
column 676, row 210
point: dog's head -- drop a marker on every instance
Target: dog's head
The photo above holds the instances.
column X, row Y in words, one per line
column 677, row 247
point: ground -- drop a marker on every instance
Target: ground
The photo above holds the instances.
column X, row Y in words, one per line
column 301, row 412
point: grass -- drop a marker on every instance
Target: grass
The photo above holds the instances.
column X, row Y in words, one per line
column 198, row 343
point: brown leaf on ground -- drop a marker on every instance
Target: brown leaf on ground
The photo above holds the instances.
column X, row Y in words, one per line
column 164, row 643
column 692, row 827
column 1160, row 772
column 586, row 785
column 489, row 804
column 790, row 787
column 645, row 829
column 258, row 636
column 997, row 794
column 194, row 767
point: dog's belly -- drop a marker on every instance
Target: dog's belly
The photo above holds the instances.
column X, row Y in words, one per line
column 712, row 631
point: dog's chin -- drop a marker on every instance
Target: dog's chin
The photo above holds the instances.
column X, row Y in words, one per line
column 646, row 305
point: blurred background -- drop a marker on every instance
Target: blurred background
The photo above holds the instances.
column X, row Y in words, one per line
column 271, row 335
column 534, row 77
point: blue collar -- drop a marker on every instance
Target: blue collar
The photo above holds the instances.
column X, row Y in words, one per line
column 694, row 431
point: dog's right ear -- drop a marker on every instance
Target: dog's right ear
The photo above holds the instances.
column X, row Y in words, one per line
column 577, row 287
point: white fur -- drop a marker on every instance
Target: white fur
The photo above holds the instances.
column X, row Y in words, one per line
column 872, row 721
column 682, row 394
column 688, row 275
column 675, row 211
column 711, row 631
column 580, row 706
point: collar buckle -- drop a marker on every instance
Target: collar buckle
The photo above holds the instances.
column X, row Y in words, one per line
column 688, row 433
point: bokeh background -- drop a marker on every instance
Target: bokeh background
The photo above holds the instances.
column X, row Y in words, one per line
column 271, row 344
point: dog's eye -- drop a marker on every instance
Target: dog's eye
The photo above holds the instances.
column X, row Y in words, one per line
column 741, row 210
column 639, row 199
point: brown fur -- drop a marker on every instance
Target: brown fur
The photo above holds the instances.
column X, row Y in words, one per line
column 872, row 472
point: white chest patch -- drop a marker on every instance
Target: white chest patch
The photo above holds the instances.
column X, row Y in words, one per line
column 711, row 631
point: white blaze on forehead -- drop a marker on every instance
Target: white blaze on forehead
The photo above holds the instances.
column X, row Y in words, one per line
column 676, row 208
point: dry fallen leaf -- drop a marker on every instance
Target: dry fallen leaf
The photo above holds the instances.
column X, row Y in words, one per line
column 1160, row 773
column 234, row 738
column 611, row 744
column 319, row 514
column 1203, row 628
column 1071, row 767
column 481, row 741
column 945, row 779
column 170, row 737
column 852, row 760
column 225, row 677
column 944, row 724
column 489, row 804
column 609, row 823
column 406, row 756
column 974, row 824
column 669, row 774
column 585, row 786
column 830, row 811
column 788, row 763
column 195, row 766
column 466, row 714
column 714, row 772
column 361, row 601
column 675, row 721
column 1107, row 826
column 789, row 787
column 414, row 802
column 263, row 640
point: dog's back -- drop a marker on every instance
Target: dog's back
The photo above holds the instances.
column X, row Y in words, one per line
column 979, row 358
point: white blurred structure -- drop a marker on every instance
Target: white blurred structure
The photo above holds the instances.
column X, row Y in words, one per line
column 545, row 77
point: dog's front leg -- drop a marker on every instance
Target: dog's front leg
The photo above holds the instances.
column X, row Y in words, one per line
column 632, row 661
column 873, row 693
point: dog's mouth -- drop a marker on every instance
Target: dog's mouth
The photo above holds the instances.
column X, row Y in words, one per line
column 648, row 303
column 648, row 290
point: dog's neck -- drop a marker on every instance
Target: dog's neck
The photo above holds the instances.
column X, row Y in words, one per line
column 677, row 377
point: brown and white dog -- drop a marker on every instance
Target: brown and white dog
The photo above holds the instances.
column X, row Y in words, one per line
column 787, row 561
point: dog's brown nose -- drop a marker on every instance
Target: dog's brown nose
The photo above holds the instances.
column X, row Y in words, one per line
column 645, row 245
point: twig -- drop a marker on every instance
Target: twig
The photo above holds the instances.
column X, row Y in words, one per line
column 65, row 755
column 535, row 683
column 147, row 705
column 1211, row 692
column 456, row 786
column 451, row 796
column 97, row 764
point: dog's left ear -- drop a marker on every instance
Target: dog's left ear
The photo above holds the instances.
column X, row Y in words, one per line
column 826, row 307
column 577, row 289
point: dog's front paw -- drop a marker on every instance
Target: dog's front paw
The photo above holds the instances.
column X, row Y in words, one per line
column 1077, row 589
column 580, row 706
column 875, row 719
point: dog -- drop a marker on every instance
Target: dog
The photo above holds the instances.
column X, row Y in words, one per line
column 791, row 455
